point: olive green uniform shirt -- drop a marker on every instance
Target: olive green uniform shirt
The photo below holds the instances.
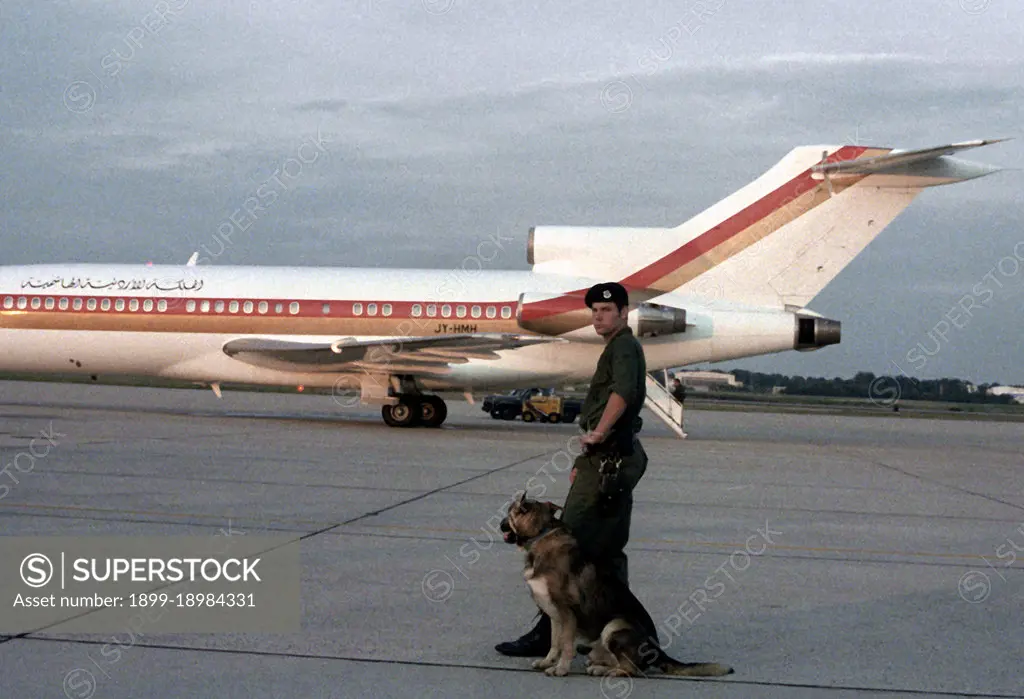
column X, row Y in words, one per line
column 621, row 369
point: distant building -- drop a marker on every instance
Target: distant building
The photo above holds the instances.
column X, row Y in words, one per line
column 1016, row 392
column 706, row 380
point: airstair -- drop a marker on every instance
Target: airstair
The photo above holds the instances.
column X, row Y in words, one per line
column 662, row 403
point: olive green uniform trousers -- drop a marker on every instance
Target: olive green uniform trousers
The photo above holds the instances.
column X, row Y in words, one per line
column 603, row 532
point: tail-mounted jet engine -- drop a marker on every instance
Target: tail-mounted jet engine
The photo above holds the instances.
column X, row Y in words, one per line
column 815, row 332
column 557, row 315
column 653, row 319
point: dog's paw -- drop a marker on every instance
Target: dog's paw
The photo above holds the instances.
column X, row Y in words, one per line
column 542, row 664
column 557, row 671
column 598, row 670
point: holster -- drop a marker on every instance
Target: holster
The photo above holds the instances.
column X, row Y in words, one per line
column 609, row 482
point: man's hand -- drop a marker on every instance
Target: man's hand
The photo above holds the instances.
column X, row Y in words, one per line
column 593, row 437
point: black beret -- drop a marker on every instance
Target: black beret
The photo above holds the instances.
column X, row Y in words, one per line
column 612, row 292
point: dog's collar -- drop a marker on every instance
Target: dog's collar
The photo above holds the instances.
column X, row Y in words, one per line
column 529, row 542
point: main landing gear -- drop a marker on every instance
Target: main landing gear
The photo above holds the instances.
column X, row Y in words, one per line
column 415, row 411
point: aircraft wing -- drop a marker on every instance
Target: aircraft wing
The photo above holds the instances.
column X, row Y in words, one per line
column 406, row 354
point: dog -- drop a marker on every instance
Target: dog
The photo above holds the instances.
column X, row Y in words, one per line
column 584, row 598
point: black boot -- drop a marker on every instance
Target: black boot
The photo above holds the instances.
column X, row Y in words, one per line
column 534, row 643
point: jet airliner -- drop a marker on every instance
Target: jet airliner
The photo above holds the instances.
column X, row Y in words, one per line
column 733, row 281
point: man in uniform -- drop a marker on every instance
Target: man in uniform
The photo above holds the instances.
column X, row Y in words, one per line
column 600, row 501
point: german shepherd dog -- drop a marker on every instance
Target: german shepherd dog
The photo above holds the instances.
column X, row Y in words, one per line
column 584, row 598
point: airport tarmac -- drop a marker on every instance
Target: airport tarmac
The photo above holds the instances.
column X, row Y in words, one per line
column 820, row 556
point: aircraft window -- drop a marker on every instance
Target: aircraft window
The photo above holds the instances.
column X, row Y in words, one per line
column 36, row 303
column 233, row 307
column 475, row 311
column 357, row 309
column 326, row 308
column 506, row 312
column 491, row 311
column 190, row 306
column 63, row 305
column 77, row 304
column 91, row 304
column 460, row 311
column 263, row 306
column 431, row 310
column 386, row 309
column 218, row 307
column 119, row 304
column 204, row 306
column 49, row 303
column 293, row 308
column 161, row 305
column 22, row 302
column 8, row 302
column 417, row 310
column 105, row 305
column 133, row 305
column 147, row 305
column 247, row 306
column 446, row 310
column 278, row 308
column 371, row 309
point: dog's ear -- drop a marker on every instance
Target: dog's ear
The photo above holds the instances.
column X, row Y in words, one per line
column 554, row 508
column 520, row 498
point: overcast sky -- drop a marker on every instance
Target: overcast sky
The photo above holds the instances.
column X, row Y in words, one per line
column 403, row 133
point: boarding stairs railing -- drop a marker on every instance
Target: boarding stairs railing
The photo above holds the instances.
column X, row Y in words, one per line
column 662, row 403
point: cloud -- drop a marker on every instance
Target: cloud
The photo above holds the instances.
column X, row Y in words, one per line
column 831, row 59
column 446, row 126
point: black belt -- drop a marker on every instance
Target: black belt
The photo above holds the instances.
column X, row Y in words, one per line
column 617, row 443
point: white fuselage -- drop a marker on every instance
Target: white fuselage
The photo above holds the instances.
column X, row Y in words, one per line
column 173, row 321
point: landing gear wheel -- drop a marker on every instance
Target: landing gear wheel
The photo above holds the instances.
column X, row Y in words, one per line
column 433, row 411
column 528, row 416
column 405, row 413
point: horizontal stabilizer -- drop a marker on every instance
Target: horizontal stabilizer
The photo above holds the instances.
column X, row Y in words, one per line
column 896, row 159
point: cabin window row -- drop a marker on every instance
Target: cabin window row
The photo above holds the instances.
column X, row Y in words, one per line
column 460, row 311
column 77, row 304
column 262, row 307
column 161, row 305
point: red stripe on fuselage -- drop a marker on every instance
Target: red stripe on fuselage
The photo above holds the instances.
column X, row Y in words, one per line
column 738, row 222
column 707, row 241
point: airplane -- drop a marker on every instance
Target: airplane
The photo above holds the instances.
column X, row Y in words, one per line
column 733, row 281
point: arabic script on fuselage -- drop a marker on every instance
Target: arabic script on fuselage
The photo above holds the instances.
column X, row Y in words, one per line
column 165, row 284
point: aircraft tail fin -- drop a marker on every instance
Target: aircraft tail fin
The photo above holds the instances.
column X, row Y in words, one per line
column 781, row 239
column 776, row 242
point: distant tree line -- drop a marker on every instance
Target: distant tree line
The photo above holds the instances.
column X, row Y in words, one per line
column 867, row 385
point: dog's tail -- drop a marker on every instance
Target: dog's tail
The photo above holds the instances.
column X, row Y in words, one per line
column 671, row 666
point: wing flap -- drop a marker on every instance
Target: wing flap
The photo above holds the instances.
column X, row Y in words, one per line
column 406, row 354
